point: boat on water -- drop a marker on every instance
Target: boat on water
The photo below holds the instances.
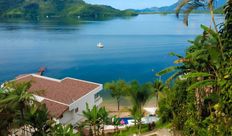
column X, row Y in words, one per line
column 100, row 45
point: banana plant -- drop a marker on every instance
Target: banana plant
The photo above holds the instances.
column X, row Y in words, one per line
column 63, row 130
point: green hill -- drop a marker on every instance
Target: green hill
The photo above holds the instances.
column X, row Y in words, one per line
column 39, row 9
column 219, row 10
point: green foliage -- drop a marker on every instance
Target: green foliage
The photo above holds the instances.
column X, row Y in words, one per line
column 96, row 118
column 219, row 10
column 132, row 130
column 63, row 130
column 139, row 94
column 19, row 110
column 199, row 102
column 37, row 118
column 41, row 9
column 118, row 89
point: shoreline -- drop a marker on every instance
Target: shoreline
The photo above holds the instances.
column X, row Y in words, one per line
column 111, row 105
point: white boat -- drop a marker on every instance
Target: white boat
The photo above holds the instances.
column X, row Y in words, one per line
column 100, row 45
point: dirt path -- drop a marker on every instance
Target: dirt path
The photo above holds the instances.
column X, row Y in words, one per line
column 159, row 132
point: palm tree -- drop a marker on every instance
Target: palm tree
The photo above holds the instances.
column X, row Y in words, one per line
column 194, row 4
column 140, row 94
column 118, row 89
column 92, row 118
column 17, row 97
column 18, row 94
column 206, row 71
column 7, row 116
column 158, row 86
column 104, row 118
column 134, row 111
column 37, row 118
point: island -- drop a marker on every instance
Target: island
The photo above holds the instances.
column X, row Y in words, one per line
column 48, row 9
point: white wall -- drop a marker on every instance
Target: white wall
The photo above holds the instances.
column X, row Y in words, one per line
column 73, row 117
column 67, row 117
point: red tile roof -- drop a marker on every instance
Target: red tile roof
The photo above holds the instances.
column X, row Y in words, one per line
column 58, row 93
column 55, row 109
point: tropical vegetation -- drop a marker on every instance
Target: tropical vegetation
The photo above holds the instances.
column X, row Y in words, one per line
column 118, row 90
column 138, row 95
column 198, row 97
column 21, row 114
column 96, row 118
column 195, row 100
column 48, row 9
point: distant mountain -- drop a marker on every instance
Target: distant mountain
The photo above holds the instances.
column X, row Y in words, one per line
column 171, row 8
column 39, row 9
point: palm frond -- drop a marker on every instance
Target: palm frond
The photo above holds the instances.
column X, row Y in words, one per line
column 182, row 4
column 186, row 14
column 210, row 31
column 202, row 83
column 192, row 4
column 167, row 70
column 197, row 74
column 175, row 54
column 172, row 77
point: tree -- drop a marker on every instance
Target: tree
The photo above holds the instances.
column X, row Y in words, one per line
column 158, row 87
column 95, row 118
column 134, row 111
column 104, row 118
column 16, row 98
column 18, row 95
column 203, row 79
column 37, row 117
column 140, row 94
column 7, row 115
column 63, row 130
column 118, row 89
column 19, row 110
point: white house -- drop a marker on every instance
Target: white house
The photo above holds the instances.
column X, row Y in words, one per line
column 65, row 99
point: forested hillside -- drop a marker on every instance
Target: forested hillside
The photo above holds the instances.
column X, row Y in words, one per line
column 172, row 8
column 37, row 9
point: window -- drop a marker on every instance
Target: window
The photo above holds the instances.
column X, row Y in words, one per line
column 97, row 95
column 61, row 116
column 76, row 110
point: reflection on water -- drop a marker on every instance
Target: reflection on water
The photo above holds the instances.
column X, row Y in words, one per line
column 135, row 48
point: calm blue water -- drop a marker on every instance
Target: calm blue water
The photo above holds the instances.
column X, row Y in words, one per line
column 133, row 47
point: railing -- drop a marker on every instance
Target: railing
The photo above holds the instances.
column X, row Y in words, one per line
column 98, row 100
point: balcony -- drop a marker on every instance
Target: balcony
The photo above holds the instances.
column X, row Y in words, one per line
column 98, row 100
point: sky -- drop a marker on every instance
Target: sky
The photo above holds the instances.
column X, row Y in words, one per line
column 133, row 4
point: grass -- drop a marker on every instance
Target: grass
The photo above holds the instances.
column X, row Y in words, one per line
column 132, row 130
column 160, row 125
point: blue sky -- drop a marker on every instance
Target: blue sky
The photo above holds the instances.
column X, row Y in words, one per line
column 135, row 4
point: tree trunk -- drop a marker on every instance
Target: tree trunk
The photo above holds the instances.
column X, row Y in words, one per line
column 118, row 102
column 140, row 119
column 21, row 104
column 157, row 98
column 103, row 130
column 94, row 130
column 199, row 101
column 215, row 25
column 139, row 127
column 212, row 15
